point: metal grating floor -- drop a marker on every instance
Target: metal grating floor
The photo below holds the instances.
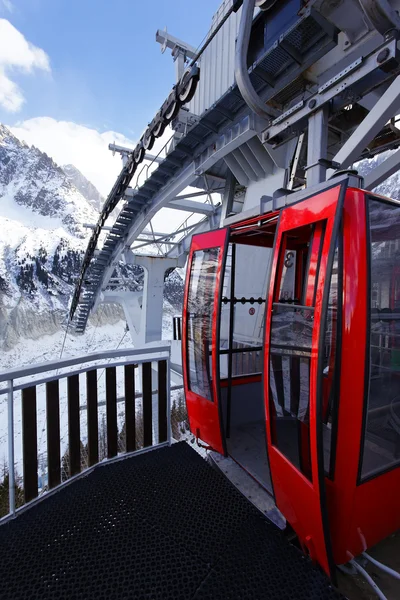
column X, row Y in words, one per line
column 160, row 525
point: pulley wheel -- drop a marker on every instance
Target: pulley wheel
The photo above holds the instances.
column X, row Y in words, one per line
column 159, row 129
column 138, row 154
column 148, row 140
column 381, row 14
column 172, row 111
column 265, row 4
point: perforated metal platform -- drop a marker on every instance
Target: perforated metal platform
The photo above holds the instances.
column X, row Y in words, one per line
column 160, row 525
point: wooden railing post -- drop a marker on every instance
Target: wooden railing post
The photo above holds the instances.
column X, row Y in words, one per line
column 130, row 416
column 162, row 402
column 29, row 443
column 147, row 405
column 145, row 357
column 179, row 327
column 53, row 432
column 111, row 403
column 92, row 417
column 74, row 429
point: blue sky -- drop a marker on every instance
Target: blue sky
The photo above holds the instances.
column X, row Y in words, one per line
column 107, row 71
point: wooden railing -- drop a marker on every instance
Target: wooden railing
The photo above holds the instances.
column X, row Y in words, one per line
column 146, row 368
column 177, row 327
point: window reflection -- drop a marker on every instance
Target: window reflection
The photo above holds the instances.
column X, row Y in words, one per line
column 249, row 265
column 330, row 391
column 291, row 343
column 199, row 318
column 382, row 434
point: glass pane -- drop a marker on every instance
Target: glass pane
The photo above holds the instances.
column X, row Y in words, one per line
column 290, row 351
column 286, row 290
column 290, row 393
column 251, row 285
column 248, row 305
column 225, row 315
column 329, row 391
column 200, row 312
column 291, row 329
column 382, row 435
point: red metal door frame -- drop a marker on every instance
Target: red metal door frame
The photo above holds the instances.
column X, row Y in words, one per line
column 204, row 415
column 301, row 501
column 360, row 513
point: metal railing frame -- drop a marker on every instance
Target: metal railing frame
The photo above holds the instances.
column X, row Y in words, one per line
column 99, row 360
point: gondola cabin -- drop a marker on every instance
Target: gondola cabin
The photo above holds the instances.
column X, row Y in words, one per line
column 291, row 361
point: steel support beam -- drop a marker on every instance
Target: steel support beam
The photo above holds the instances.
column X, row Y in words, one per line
column 199, row 194
column 252, row 160
column 207, row 224
column 386, row 108
column 237, row 170
column 166, row 40
column 229, row 195
column 296, row 160
column 317, row 146
column 245, row 164
column 382, row 171
column 191, row 206
column 261, row 154
column 356, row 74
column 234, row 137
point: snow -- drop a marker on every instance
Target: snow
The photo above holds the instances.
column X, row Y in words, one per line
column 48, row 348
column 31, row 184
column 24, row 216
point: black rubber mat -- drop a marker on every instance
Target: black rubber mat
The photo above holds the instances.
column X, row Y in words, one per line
column 160, row 525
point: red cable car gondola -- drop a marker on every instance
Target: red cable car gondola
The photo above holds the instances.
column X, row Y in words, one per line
column 291, row 361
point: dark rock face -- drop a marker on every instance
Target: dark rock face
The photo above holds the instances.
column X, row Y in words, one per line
column 42, row 215
column 84, row 186
column 173, row 289
column 35, row 181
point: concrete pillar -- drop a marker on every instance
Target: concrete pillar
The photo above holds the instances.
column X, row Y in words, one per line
column 144, row 310
column 153, row 293
column 131, row 302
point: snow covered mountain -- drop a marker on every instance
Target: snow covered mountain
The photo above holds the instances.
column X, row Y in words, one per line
column 43, row 208
column 42, row 241
column 83, row 185
column 390, row 187
column 32, row 186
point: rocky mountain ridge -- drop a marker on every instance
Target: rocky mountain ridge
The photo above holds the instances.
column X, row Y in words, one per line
column 84, row 186
column 43, row 209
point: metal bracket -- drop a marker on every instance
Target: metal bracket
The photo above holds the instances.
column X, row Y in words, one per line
column 324, row 162
column 296, row 118
column 381, row 14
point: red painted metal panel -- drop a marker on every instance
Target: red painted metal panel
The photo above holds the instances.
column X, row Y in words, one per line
column 360, row 515
column 300, row 500
column 204, row 415
column 241, row 380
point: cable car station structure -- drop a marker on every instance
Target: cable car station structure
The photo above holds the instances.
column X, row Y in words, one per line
column 290, row 327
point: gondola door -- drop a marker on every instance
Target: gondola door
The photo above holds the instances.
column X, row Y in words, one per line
column 293, row 365
column 201, row 336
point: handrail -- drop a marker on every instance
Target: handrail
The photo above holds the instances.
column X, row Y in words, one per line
column 69, row 362
column 155, row 386
column 150, row 163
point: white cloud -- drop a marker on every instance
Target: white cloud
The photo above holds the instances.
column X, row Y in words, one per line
column 69, row 143
column 16, row 53
column 87, row 149
column 7, row 5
